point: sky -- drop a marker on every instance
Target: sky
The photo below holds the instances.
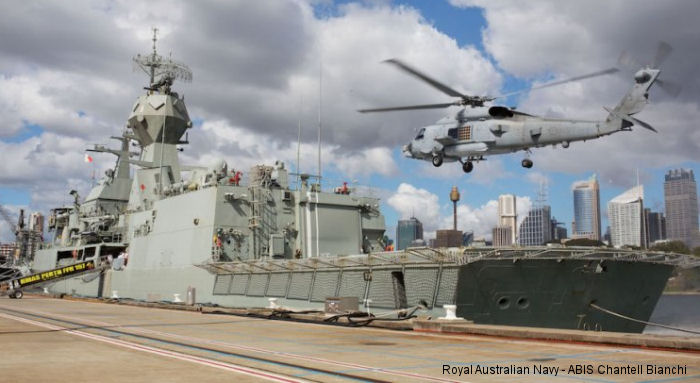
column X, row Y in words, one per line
column 261, row 68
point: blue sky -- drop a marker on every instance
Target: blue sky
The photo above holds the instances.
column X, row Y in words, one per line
column 69, row 117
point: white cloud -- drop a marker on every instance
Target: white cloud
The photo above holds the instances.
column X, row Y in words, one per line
column 481, row 220
column 242, row 149
column 410, row 201
column 537, row 178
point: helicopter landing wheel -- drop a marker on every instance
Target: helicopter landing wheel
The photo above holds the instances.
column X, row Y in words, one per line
column 437, row 160
column 527, row 163
column 18, row 294
column 467, row 166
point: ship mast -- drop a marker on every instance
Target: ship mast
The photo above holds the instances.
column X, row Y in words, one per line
column 154, row 56
column 161, row 71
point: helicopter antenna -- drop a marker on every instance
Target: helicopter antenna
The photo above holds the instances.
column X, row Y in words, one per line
column 161, row 71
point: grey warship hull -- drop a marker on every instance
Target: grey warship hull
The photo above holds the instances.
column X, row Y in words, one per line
column 537, row 287
column 238, row 241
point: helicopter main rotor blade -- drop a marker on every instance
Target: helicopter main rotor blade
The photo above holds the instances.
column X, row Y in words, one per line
column 662, row 52
column 436, row 84
column 412, row 107
column 672, row 88
column 628, row 62
column 568, row 80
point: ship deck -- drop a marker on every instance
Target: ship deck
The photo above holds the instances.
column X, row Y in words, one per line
column 47, row 339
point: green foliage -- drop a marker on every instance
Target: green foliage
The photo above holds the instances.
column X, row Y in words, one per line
column 672, row 247
column 696, row 251
column 584, row 242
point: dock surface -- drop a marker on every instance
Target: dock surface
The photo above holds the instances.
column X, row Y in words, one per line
column 46, row 339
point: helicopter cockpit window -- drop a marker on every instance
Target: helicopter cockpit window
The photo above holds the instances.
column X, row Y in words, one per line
column 420, row 134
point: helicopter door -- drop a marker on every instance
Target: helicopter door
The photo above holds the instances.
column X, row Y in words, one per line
column 453, row 133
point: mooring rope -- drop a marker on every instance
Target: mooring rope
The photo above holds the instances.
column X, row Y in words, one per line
column 595, row 306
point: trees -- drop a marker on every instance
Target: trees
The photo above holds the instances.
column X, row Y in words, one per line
column 583, row 242
column 672, row 247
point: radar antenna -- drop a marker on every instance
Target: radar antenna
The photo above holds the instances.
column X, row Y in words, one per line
column 162, row 71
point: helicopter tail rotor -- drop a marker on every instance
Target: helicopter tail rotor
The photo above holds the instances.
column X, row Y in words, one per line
column 663, row 51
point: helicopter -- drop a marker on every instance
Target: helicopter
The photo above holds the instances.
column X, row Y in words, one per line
column 479, row 130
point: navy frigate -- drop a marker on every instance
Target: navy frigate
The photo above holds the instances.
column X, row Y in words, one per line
column 168, row 228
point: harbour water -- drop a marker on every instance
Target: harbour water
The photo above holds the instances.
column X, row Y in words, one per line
column 677, row 310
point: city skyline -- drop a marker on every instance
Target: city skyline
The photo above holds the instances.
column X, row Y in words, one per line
column 650, row 228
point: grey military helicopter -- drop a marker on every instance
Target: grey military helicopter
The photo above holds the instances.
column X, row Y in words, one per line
column 478, row 130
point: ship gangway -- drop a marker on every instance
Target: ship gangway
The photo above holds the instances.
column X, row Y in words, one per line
column 14, row 285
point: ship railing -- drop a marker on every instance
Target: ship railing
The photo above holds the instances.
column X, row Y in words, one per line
column 425, row 256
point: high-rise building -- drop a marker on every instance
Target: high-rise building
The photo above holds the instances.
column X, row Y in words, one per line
column 448, row 238
column 407, row 231
column 558, row 229
column 502, row 236
column 36, row 222
column 536, row 229
column 656, row 225
column 681, row 197
column 467, row 238
column 586, row 222
column 507, row 216
column 626, row 217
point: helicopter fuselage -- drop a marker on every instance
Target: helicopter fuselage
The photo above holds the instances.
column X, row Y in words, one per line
column 480, row 133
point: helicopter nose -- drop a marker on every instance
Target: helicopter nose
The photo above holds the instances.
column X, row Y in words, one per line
column 407, row 150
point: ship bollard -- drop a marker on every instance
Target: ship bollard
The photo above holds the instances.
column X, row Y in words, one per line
column 176, row 298
column 273, row 303
column 450, row 313
column 191, row 296
column 367, row 302
column 114, row 294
